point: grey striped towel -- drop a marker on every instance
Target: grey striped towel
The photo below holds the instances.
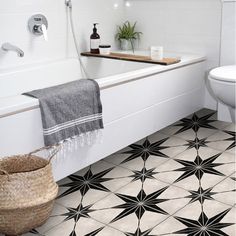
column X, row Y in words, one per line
column 69, row 110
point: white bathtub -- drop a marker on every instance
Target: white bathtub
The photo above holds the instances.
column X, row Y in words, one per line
column 138, row 100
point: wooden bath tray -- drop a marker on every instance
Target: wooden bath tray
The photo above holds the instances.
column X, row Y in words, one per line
column 130, row 57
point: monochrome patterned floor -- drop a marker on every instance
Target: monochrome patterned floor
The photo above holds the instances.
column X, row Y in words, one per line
column 179, row 181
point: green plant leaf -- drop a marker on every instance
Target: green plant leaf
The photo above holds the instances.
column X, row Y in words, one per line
column 127, row 31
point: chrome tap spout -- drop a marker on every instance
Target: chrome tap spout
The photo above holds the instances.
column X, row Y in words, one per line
column 9, row 47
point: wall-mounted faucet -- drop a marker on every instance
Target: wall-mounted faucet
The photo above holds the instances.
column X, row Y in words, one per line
column 9, row 47
column 38, row 25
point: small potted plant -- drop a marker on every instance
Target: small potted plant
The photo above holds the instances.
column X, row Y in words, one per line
column 127, row 34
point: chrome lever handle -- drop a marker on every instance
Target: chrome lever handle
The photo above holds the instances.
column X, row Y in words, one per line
column 44, row 31
column 41, row 30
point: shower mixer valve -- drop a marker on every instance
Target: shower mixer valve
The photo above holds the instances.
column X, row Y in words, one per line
column 38, row 25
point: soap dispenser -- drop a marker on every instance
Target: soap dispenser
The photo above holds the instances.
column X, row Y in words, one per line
column 94, row 40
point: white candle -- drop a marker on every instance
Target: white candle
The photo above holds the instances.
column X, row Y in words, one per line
column 157, row 53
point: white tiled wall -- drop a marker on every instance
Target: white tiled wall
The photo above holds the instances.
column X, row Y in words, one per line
column 228, row 49
column 179, row 25
column 14, row 15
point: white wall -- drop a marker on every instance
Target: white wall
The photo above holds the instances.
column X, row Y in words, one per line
column 192, row 26
column 179, row 25
column 228, row 48
column 14, row 15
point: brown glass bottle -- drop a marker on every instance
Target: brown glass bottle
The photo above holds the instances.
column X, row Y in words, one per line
column 94, row 41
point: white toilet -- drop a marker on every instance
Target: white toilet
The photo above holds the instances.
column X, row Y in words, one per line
column 223, row 84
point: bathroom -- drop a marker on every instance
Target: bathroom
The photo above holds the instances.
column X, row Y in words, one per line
column 164, row 162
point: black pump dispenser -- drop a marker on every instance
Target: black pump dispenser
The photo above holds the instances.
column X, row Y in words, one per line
column 95, row 28
column 94, row 40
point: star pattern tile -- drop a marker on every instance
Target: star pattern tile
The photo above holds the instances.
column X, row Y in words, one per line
column 195, row 123
column 86, row 182
column 181, row 194
column 77, row 213
column 199, row 167
column 201, row 195
column 144, row 174
column 146, row 150
column 140, row 204
column 197, row 143
column 204, row 226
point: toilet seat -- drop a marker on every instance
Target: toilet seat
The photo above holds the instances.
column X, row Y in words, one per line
column 224, row 74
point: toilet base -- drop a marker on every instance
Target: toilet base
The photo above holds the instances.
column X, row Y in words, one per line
column 226, row 113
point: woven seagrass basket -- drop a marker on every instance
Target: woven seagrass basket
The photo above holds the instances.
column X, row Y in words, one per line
column 27, row 192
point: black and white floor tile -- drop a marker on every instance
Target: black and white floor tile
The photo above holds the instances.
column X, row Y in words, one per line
column 179, row 181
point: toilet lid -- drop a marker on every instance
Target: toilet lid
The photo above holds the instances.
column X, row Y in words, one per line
column 225, row 73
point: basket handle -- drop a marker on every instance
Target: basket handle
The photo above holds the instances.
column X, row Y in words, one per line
column 56, row 149
column 5, row 173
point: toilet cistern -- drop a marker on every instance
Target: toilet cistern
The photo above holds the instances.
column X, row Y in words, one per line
column 38, row 25
column 10, row 47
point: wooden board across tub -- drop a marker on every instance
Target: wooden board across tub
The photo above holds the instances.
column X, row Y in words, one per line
column 130, row 57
